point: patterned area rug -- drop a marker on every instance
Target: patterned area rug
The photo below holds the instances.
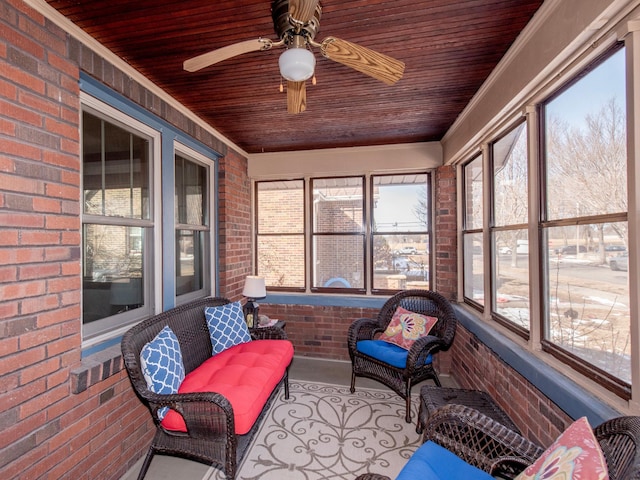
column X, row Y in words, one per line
column 324, row 432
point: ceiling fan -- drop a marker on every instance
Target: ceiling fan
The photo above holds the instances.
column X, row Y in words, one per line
column 296, row 23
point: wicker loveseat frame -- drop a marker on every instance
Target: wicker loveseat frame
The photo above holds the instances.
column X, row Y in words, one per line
column 498, row 450
column 487, row 444
column 440, row 338
column 211, row 437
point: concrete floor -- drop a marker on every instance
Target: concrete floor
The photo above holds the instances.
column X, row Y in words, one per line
column 302, row 368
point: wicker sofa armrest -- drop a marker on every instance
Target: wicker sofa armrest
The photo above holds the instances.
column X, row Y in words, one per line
column 480, row 440
column 372, row 476
column 205, row 414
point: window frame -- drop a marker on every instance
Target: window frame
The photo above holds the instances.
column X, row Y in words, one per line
column 205, row 262
column 493, row 229
column 366, row 233
column 589, row 370
column 470, row 230
column 114, row 325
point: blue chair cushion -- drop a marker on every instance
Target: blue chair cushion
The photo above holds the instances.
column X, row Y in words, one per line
column 387, row 352
column 433, row 462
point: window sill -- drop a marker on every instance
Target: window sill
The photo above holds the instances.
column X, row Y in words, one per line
column 96, row 368
column 574, row 399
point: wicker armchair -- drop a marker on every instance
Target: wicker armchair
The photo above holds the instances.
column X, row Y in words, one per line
column 211, row 437
column 440, row 338
column 499, row 451
column 494, row 448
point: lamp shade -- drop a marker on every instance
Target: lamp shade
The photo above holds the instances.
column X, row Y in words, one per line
column 297, row 64
column 254, row 287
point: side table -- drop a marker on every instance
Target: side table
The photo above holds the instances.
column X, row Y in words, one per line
column 432, row 397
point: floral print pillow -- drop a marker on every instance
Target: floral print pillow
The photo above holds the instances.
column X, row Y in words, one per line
column 575, row 455
column 406, row 327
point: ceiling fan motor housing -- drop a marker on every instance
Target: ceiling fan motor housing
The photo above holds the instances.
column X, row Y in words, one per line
column 285, row 29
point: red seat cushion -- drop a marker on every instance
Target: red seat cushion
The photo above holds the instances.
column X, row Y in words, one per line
column 244, row 374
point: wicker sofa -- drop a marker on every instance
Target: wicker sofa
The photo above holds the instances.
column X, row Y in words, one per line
column 485, row 443
column 211, row 433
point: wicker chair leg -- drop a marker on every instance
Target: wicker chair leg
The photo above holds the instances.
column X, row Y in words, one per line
column 353, row 381
column 407, row 392
column 147, row 461
column 436, row 379
column 286, row 384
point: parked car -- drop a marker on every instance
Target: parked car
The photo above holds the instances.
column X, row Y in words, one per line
column 504, row 250
column 571, row 250
column 408, row 251
column 621, row 262
column 615, row 248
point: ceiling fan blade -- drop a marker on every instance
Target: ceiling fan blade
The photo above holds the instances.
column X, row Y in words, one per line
column 376, row 65
column 302, row 10
column 296, row 97
column 215, row 56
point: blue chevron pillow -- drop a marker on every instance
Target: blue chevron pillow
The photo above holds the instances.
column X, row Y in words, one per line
column 162, row 367
column 226, row 326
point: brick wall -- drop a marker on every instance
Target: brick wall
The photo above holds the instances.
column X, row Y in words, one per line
column 234, row 224
column 62, row 417
column 477, row 367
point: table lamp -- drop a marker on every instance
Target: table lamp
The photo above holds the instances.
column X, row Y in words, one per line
column 254, row 289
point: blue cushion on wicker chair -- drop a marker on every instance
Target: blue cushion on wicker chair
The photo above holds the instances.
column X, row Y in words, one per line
column 433, row 462
column 386, row 352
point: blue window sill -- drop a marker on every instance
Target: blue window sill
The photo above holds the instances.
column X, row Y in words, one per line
column 561, row 390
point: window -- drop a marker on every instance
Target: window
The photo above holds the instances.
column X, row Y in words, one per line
column 584, row 228
column 332, row 248
column 338, row 235
column 192, row 228
column 472, row 231
column 117, row 223
column 510, row 243
column 280, row 233
column 401, row 232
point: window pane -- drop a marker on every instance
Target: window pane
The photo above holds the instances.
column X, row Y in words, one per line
column 338, row 261
column 588, row 301
column 281, row 260
column 113, row 270
column 473, row 267
column 586, row 144
column 280, row 207
column 511, row 276
column 115, row 170
column 280, row 236
column 338, row 205
column 191, row 189
column 401, row 262
column 510, row 178
column 473, row 194
column 189, row 261
column 400, row 203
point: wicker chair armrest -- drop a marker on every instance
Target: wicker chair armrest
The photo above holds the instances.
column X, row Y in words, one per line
column 480, row 440
column 362, row 329
column 268, row 333
column 205, row 414
column 421, row 349
column 372, row 476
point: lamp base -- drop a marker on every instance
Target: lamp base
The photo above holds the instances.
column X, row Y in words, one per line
column 250, row 311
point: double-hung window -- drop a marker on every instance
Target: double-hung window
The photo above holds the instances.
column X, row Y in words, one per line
column 584, row 227
column 117, row 222
column 509, row 232
column 472, row 235
column 192, row 227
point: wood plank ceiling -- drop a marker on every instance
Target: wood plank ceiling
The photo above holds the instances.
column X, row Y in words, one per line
column 449, row 48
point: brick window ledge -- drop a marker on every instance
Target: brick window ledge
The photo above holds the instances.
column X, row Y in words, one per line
column 96, row 368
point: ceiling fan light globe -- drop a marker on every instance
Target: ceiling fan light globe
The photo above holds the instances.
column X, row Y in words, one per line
column 297, row 64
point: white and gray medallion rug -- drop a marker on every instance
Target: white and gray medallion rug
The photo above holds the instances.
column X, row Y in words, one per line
column 324, row 432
